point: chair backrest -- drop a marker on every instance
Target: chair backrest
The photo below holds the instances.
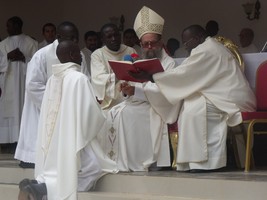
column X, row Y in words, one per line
column 261, row 87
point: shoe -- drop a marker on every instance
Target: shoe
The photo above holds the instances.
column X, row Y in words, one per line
column 26, row 165
column 32, row 189
column 205, row 170
column 166, row 169
column 199, row 171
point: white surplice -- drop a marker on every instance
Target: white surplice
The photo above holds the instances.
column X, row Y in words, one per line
column 70, row 119
column 137, row 135
column 12, row 84
column 38, row 72
column 214, row 92
column 104, row 82
column 87, row 56
column 42, row 44
column 249, row 49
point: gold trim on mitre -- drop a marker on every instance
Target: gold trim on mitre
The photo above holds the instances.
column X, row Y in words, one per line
column 148, row 21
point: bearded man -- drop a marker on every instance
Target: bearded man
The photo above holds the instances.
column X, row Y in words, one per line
column 137, row 134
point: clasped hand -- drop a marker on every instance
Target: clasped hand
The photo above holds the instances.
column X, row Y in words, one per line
column 127, row 89
column 16, row 55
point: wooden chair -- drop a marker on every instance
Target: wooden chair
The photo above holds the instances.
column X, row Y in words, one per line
column 173, row 135
column 260, row 115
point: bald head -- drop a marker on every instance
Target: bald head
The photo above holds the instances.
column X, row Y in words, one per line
column 193, row 36
column 67, row 31
column 69, row 51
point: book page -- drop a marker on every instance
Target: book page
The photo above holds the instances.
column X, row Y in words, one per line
column 151, row 66
column 121, row 68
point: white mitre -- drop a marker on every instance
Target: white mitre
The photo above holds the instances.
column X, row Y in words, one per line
column 148, row 21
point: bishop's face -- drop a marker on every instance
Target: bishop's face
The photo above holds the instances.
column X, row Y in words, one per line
column 151, row 44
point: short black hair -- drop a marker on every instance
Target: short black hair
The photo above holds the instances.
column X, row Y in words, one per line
column 196, row 30
column 107, row 26
column 90, row 33
column 129, row 30
column 66, row 23
column 174, row 42
column 48, row 24
column 212, row 28
column 16, row 20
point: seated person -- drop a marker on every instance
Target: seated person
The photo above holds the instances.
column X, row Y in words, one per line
column 130, row 39
column 91, row 44
column 212, row 28
column 246, row 38
column 172, row 45
column 137, row 136
column 104, row 82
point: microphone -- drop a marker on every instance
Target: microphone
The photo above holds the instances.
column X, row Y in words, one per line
column 135, row 57
column 128, row 57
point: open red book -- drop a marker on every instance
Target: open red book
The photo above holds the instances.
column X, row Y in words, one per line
column 121, row 68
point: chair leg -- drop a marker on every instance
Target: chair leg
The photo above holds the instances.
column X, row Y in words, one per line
column 174, row 143
column 249, row 148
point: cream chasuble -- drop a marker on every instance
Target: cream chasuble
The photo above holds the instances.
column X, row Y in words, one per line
column 38, row 71
column 70, row 118
column 210, row 75
column 137, row 135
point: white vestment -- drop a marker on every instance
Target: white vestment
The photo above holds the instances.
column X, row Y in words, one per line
column 42, row 44
column 38, row 72
column 214, row 92
column 249, row 49
column 12, row 84
column 180, row 53
column 87, row 55
column 137, row 135
column 104, row 82
column 70, row 119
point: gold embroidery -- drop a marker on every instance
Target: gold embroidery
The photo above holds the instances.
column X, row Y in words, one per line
column 146, row 26
column 111, row 154
column 112, row 130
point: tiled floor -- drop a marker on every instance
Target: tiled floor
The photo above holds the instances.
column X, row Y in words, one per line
column 259, row 174
column 233, row 174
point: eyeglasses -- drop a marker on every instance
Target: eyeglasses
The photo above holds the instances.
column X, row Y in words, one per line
column 150, row 44
column 187, row 42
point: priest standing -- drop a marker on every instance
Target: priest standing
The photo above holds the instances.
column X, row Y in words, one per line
column 15, row 52
column 213, row 92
